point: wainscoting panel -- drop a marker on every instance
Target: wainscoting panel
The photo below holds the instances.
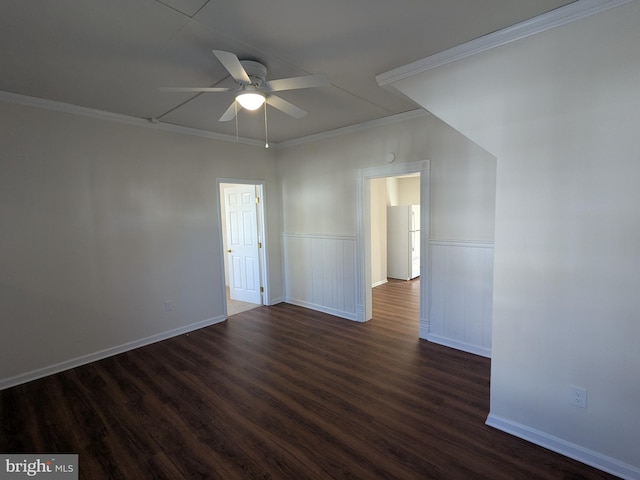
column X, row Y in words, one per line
column 320, row 272
column 461, row 295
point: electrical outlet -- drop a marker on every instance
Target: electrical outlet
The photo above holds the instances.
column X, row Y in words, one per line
column 578, row 397
column 168, row 306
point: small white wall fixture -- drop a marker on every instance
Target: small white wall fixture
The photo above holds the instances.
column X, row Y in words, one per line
column 363, row 241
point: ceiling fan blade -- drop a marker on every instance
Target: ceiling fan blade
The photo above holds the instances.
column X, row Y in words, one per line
column 286, row 107
column 230, row 114
column 194, row 89
column 231, row 62
column 293, row 83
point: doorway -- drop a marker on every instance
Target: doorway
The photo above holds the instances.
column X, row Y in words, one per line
column 243, row 240
column 395, row 245
column 364, row 308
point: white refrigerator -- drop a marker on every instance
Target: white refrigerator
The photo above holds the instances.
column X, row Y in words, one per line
column 403, row 242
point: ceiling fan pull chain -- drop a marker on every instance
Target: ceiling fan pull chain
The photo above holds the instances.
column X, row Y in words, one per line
column 266, row 131
column 236, row 107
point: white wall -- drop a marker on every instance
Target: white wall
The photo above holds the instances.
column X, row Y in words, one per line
column 408, row 191
column 102, row 223
column 393, row 194
column 318, row 179
column 318, row 186
column 561, row 111
column 378, row 231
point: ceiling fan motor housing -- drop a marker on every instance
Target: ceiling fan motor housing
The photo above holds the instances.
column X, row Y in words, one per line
column 256, row 71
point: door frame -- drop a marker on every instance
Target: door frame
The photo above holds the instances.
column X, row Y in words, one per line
column 364, row 306
column 261, row 219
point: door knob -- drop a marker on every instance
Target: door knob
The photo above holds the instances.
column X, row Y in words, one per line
column 229, row 251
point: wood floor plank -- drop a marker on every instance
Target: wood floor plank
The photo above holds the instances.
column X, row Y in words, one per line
column 281, row 392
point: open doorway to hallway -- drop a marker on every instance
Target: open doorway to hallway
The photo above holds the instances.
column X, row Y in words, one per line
column 364, row 283
column 243, row 226
column 395, row 250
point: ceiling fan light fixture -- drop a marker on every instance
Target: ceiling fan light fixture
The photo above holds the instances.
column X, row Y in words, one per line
column 250, row 100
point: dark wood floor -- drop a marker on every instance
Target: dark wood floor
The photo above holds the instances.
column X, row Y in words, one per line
column 280, row 392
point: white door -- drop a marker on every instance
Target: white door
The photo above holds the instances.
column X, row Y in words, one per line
column 242, row 243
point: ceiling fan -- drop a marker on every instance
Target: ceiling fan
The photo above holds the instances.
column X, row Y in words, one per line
column 253, row 89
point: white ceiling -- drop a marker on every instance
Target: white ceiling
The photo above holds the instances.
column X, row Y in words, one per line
column 113, row 55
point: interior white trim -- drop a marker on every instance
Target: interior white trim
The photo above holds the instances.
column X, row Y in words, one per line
column 555, row 18
column 319, row 235
column 568, row 449
column 322, row 308
column 324, row 266
column 358, row 127
column 378, row 283
column 19, row 99
column 461, row 243
column 363, row 240
column 92, row 357
column 262, row 231
column 461, row 298
column 458, row 345
column 16, row 98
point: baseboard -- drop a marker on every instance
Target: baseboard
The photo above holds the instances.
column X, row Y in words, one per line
column 381, row 282
column 275, row 301
column 92, row 357
column 568, row 449
column 323, row 309
column 465, row 347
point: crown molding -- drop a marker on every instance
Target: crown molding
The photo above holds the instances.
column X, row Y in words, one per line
column 547, row 21
column 19, row 99
column 358, row 127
